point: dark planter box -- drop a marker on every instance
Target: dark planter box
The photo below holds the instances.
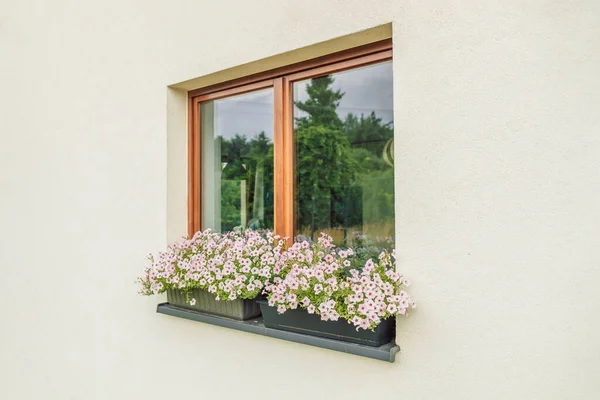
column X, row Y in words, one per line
column 300, row 321
column 240, row 309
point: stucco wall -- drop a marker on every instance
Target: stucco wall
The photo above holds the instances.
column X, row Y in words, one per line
column 497, row 147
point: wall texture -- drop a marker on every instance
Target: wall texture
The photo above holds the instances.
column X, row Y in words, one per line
column 497, row 119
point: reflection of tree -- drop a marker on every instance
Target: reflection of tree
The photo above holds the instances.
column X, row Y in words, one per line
column 324, row 167
column 368, row 133
column 342, row 180
column 256, row 157
column 321, row 104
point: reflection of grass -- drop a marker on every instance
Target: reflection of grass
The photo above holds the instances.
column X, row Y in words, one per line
column 377, row 231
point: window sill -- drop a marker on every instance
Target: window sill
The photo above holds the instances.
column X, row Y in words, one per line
column 387, row 352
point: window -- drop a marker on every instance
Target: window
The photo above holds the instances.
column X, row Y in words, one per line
column 303, row 149
column 237, row 161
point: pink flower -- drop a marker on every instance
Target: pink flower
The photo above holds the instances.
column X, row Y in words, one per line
column 238, row 264
column 319, row 275
column 192, row 302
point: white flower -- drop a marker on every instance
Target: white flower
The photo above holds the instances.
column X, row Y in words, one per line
column 193, row 302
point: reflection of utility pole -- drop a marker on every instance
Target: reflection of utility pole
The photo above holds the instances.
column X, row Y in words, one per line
column 243, row 205
column 346, row 196
column 258, row 206
column 312, row 222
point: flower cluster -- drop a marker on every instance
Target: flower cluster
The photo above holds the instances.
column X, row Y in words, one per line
column 318, row 277
column 230, row 266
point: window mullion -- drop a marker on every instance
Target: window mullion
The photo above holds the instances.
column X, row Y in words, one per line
column 283, row 155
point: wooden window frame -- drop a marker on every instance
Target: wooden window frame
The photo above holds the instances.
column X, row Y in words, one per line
column 281, row 80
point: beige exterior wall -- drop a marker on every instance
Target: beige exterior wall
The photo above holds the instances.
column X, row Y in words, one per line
column 497, row 147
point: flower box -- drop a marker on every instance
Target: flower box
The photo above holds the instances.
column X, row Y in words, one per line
column 300, row 321
column 240, row 309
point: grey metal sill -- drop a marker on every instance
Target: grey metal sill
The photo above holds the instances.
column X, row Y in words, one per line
column 387, row 352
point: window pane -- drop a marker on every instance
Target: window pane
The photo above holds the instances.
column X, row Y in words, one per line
column 237, row 161
column 344, row 157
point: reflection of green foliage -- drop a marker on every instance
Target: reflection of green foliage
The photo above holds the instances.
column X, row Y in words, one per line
column 321, row 104
column 324, row 166
column 368, row 133
column 378, row 193
column 342, row 179
column 367, row 161
column 255, row 154
column 230, row 204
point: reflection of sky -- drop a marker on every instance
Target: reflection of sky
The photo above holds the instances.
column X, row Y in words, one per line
column 247, row 114
column 365, row 89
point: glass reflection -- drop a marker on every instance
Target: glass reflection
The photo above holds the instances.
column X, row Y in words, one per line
column 237, row 161
column 344, row 158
